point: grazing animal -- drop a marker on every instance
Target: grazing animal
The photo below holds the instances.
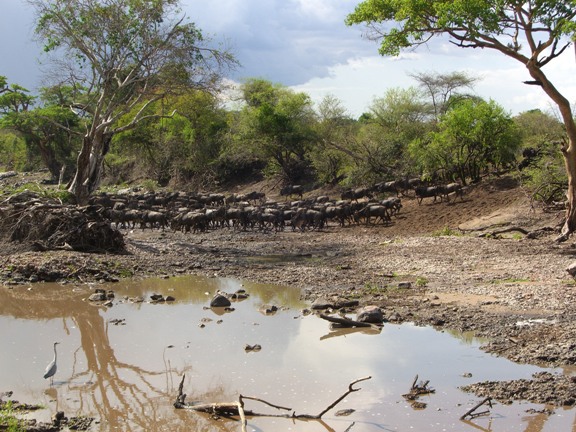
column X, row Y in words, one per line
column 429, row 192
column 356, row 194
column 378, row 212
column 392, row 204
column 52, row 367
column 455, row 188
column 291, row 190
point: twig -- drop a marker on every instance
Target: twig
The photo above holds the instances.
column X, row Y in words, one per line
column 265, row 402
column 471, row 412
column 337, row 401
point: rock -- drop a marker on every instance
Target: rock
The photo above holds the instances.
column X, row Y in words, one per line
column 404, row 285
column 370, row 314
column 255, row 347
column 571, row 269
column 220, row 301
column 97, row 296
column 170, row 298
column 320, row 304
column 268, row 309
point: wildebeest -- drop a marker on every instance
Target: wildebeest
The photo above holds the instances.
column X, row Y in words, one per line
column 376, row 211
column 307, row 218
column 356, row 194
column 428, row 192
column 392, row 204
column 455, row 188
column 291, row 190
column 393, row 187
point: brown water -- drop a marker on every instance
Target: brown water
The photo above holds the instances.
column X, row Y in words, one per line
column 127, row 375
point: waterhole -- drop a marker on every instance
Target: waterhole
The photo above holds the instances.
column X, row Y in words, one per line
column 122, row 364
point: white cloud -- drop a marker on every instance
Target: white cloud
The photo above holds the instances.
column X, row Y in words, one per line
column 305, row 44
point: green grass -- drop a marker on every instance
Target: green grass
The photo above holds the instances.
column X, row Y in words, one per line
column 371, row 288
column 51, row 192
column 509, row 280
column 421, row 282
column 447, row 231
column 8, row 421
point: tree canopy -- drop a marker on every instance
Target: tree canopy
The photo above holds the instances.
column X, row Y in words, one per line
column 532, row 32
column 123, row 54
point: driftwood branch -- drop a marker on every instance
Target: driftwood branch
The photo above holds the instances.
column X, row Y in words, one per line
column 337, row 401
column 230, row 409
column 416, row 390
column 265, row 403
column 473, row 414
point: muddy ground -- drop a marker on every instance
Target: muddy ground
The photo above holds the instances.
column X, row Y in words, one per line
column 509, row 288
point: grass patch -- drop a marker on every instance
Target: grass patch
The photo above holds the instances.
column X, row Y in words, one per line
column 371, row 288
column 8, row 421
column 447, row 231
column 421, row 282
column 509, row 280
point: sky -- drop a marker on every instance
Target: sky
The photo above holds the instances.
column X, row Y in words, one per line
column 305, row 45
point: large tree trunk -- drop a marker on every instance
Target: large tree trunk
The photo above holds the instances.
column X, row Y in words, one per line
column 568, row 149
column 569, row 153
column 89, row 166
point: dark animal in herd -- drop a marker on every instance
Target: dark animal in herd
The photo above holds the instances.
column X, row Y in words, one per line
column 356, row 194
column 440, row 191
column 201, row 212
column 292, row 190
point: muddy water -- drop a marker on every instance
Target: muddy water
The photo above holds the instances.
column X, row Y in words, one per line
column 123, row 364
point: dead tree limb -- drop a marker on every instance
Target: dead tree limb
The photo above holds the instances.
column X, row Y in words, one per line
column 350, row 390
column 265, row 403
column 230, row 409
column 471, row 412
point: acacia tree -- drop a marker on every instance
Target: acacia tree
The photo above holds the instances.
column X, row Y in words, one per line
column 533, row 32
column 125, row 54
column 443, row 89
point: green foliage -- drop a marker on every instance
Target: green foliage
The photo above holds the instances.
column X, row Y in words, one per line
column 8, row 421
column 401, row 24
column 125, row 54
column 330, row 156
column 47, row 130
column 13, row 152
column 543, row 172
column 472, row 138
column 179, row 147
column 149, row 185
column 421, row 281
column 60, row 195
column 279, row 124
column 447, row 232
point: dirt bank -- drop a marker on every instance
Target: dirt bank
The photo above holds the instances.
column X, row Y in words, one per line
column 512, row 289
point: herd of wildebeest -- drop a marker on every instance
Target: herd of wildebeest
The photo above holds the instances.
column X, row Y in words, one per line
column 198, row 212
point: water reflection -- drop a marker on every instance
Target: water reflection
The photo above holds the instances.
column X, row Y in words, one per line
column 123, row 364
